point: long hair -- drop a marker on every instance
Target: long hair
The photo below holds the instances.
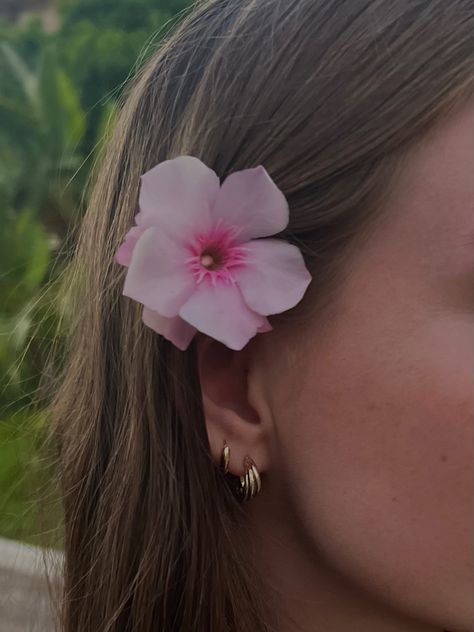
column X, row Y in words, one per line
column 329, row 95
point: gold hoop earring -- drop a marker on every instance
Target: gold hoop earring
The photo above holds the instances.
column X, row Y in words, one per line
column 250, row 483
column 225, row 458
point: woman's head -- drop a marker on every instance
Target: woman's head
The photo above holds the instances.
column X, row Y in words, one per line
column 360, row 112
column 362, row 423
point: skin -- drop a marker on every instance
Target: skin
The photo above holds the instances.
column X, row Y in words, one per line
column 361, row 426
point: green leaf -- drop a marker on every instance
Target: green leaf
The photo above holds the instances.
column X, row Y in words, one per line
column 105, row 125
column 62, row 116
column 74, row 119
column 33, row 234
column 24, row 259
column 20, row 72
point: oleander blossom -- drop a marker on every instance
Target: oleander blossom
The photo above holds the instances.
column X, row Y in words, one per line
column 196, row 258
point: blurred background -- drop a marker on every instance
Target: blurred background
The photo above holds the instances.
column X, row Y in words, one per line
column 63, row 64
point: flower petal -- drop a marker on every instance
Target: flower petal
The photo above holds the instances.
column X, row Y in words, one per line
column 251, row 200
column 274, row 278
column 175, row 329
column 220, row 312
column 125, row 251
column 157, row 275
column 264, row 327
column 177, row 195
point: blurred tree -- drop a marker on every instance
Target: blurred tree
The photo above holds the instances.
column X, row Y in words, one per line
column 102, row 40
column 12, row 9
column 41, row 170
column 42, row 126
column 50, row 131
column 27, row 42
column 57, row 101
column 128, row 15
column 25, row 253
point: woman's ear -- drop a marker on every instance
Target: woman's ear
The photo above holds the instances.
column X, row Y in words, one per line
column 225, row 377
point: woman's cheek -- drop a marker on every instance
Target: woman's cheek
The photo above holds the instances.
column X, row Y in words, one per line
column 384, row 478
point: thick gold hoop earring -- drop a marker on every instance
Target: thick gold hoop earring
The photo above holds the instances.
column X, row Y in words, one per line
column 250, row 483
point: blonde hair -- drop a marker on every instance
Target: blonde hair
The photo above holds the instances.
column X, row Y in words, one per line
column 328, row 95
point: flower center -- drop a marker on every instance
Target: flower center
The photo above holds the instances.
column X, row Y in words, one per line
column 207, row 261
column 214, row 254
column 212, row 258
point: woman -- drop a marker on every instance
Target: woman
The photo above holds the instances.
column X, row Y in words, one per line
column 356, row 408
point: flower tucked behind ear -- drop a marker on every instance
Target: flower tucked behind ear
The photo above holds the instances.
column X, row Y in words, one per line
column 195, row 258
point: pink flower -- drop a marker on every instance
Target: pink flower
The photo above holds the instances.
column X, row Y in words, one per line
column 195, row 258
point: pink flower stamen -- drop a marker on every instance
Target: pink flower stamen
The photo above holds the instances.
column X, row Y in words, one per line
column 207, row 261
column 215, row 253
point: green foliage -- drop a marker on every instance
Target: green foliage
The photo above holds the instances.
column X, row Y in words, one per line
column 57, row 101
column 24, row 259
column 101, row 60
column 42, row 125
column 27, row 42
column 101, row 41
column 128, row 15
column 29, row 504
column 15, row 481
column 24, row 262
column 58, row 105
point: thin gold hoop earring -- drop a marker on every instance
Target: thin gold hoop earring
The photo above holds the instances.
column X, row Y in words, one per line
column 250, row 483
column 225, row 458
